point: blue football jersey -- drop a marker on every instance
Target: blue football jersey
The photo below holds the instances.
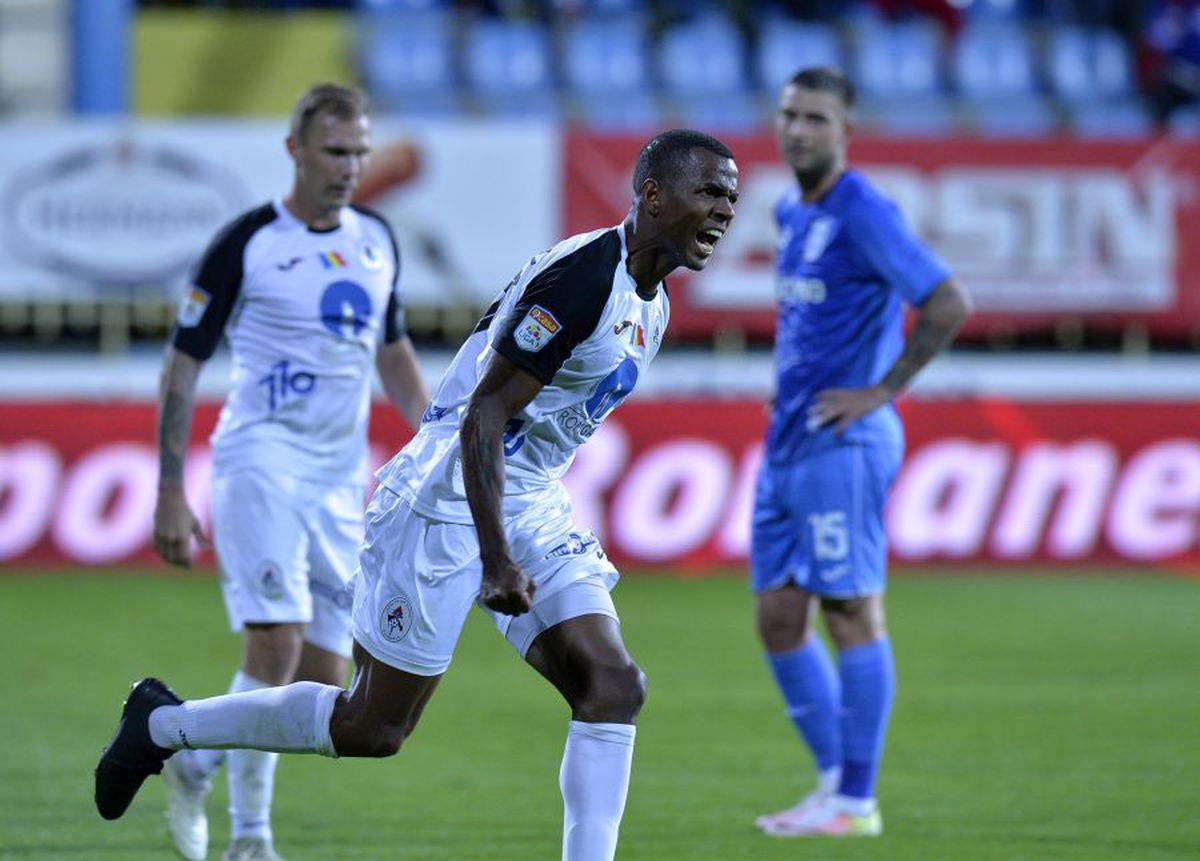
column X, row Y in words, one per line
column 845, row 267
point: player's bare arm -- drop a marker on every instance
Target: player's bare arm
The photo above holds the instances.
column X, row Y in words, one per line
column 174, row 523
column 943, row 313
column 501, row 393
column 400, row 373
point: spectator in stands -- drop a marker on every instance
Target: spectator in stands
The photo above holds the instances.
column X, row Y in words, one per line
column 947, row 14
column 1173, row 40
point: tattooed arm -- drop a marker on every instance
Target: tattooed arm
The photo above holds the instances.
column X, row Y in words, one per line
column 174, row 523
column 500, row 394
column 943, row 313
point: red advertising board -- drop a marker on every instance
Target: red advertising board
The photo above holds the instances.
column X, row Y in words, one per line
column 670, row 483
column 1107, row 233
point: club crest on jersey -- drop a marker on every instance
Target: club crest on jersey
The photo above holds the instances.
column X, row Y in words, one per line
column 270, row 581
column 192, row 307
column 396, row 619
column 370, row 256
column 536, row 329
column 332, row 260
column 820, row 233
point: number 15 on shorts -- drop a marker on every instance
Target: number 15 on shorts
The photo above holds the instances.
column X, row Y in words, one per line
column 830, row 537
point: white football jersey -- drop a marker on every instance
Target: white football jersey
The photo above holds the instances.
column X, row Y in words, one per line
column 572, row 318
column 303, row 311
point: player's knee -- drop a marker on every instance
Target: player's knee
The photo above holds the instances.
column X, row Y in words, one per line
column 375, row 742
column 780, row 632
column 355, row 733
column 783, row 618
column 617, row 695
column 389, row 740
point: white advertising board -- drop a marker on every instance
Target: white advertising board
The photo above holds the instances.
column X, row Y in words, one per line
column 123, row 209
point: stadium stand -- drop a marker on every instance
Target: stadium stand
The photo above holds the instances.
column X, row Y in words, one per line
column 992, row 68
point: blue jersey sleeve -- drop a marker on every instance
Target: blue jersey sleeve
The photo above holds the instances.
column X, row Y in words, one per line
column 896, row 255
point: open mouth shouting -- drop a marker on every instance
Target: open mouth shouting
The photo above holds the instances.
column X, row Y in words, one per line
column 707, row 239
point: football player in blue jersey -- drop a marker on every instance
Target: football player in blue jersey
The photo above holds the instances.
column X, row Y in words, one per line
column 847, row 264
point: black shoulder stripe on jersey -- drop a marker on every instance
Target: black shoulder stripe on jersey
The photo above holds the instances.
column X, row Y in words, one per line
column 574, row 290
column 387, row 228
column 393, row 319
column 486, row 319
column 219, row 273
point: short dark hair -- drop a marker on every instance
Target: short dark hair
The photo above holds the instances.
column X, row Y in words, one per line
column 667, row 154
column 345, row 103
column 826, row 79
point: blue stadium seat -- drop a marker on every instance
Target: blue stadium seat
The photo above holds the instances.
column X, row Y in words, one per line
column 1086, row 64
column 606, row 55
column 1013, row 117
column 731, row 113
column 622, row 112
column 923, row 116
column 403, row 5
column 1110, row 118
column 611, row 7
column 703, row 55
column 508, row 57
column 994, row 61
column 897, row 59
column 407, row 59
column 785, row 47
column 997, row 10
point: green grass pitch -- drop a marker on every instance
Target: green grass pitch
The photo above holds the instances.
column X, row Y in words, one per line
column 1036, row 718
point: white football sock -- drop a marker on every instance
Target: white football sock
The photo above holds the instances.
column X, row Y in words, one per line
column 289, row 719
column 594, row 779
column 829, row 780
column 251, row 780
column 200, row 765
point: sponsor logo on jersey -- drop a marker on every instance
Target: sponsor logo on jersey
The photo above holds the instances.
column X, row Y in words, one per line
column 370, row 256
column 433, row 413
column 820, row 233
column 811, row 291
column 396, row 619
column 332, row 260
column 345, row 309
column 287, row 267
column 577, row 544
column 192, row 307
column 573, row 422
column 536, row 329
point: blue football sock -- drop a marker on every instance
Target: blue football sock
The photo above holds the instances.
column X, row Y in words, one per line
column 809, row 683
column 868, row 677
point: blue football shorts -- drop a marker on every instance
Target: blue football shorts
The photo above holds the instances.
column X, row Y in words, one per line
column 818, row 522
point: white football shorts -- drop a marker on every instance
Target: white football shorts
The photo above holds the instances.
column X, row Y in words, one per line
column 418, row 578
column 288, row 549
